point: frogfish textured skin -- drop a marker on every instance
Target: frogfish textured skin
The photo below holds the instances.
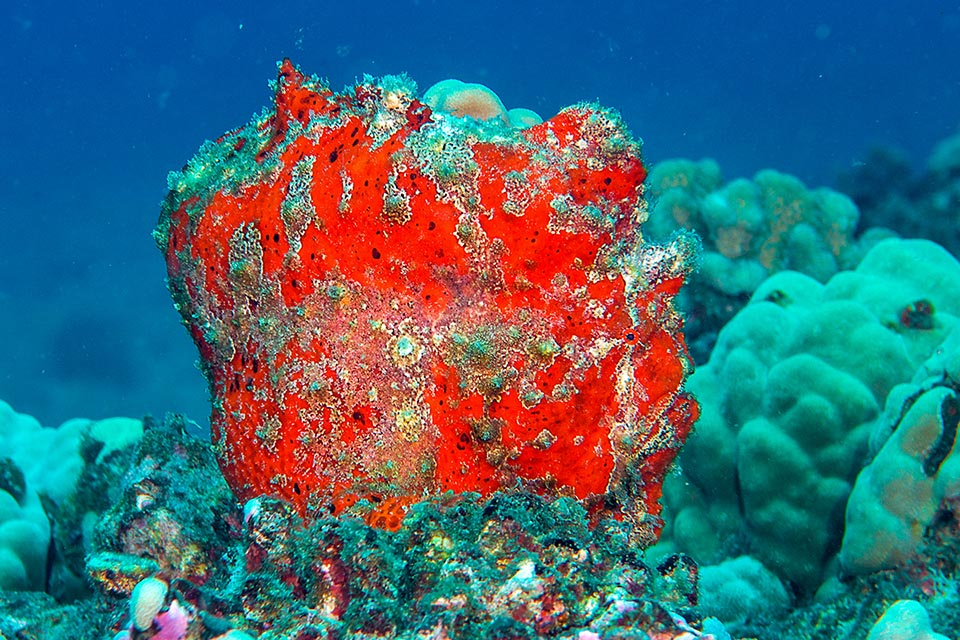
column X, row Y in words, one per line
column 390, row 303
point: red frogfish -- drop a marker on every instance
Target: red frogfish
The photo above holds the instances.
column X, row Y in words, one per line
column 392, row 303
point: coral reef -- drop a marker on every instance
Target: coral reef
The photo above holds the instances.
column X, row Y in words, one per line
column 750, row 230
column 476, row 101
column 62, row 475
column 465, row 99
column 189, row 564
column 789, row 399
column 153, row 524
column 914, row 471
column 24, row 533
column 926, row 205
column 392, row 302
column 448, row 380
column 741, row 589
column 904, row 619
column 509, row 566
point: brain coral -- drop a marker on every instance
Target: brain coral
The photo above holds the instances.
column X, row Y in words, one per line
column 788, row 402
column 392, row 302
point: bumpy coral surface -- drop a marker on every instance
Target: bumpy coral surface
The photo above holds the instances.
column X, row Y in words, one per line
column 391, row 302
column 913, row 478
column 789, row 399
column 751, row 228
column 772, row 221
column 59, row 476
column 460, row 566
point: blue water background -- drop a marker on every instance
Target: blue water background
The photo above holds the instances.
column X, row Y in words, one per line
column 101, row 99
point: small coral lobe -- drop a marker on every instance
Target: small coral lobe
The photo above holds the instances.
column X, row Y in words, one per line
column 391, row 303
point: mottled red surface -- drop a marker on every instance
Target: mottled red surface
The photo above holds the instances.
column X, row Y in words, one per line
column 390, row 303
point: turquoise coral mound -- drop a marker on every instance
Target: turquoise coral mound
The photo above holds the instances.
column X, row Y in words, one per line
column 914, row 473
column 56, row 475
column 790, row 396
column 751, row 229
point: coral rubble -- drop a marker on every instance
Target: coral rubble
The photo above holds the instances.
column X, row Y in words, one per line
column 506, row 566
